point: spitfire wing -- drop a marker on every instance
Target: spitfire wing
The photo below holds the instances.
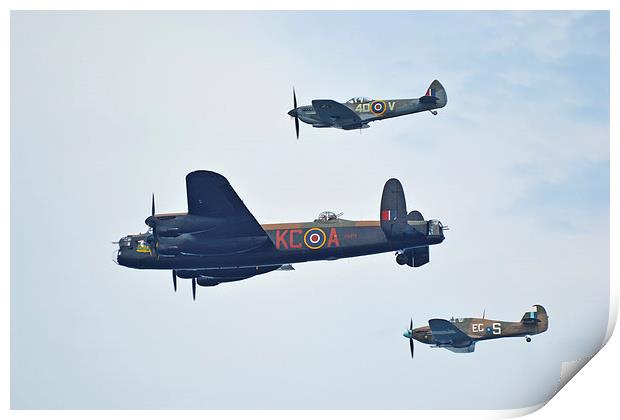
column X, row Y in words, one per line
column 332, row 112
column 210, row 195
column 445, row 332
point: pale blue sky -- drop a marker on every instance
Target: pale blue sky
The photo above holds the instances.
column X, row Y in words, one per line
column 109, row 107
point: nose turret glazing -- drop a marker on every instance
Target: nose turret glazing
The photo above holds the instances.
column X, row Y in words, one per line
column 125, row 242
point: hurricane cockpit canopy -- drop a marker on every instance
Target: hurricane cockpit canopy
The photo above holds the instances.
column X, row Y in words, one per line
column 327, row 216
column 359, row 100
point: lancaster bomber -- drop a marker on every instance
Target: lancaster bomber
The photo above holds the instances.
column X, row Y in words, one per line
column 357, row 112
column 218, row 240
column 460, row 335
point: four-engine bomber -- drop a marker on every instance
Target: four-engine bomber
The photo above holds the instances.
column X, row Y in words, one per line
column 218, row 240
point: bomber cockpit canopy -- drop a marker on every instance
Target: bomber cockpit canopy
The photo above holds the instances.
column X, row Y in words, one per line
column 328, row 216
column 359, row 100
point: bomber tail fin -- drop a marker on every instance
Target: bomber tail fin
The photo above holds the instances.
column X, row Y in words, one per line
column 537, row 315
column 393, row 214
column 435, row 95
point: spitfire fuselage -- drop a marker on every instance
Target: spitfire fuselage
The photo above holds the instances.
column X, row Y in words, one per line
column 356, row 113
column 372, row 110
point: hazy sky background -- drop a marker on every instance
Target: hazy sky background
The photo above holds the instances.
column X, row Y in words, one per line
column 109, row 107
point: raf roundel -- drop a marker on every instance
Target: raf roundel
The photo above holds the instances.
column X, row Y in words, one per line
column 315, row 238
column 377, row 107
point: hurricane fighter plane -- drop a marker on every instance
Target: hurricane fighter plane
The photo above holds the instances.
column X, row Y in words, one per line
column 218, row 240
column 357, row 112
column 460, row 335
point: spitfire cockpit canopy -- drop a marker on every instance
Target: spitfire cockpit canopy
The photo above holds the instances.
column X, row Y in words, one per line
column 328, row 216
column 359, row 100
column 453, row 319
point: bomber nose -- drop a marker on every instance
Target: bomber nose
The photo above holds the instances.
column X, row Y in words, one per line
column 293, row 113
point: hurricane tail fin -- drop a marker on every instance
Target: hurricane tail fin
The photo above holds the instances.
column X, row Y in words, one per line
column 537, row 315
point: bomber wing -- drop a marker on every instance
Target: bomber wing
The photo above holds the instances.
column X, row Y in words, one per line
column 445, row 332
column 335, row 113
column 209, row 194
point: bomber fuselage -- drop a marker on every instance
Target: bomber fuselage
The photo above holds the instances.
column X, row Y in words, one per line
column 287, row 243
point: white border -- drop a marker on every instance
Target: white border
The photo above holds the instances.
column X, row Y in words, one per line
column 588, row 396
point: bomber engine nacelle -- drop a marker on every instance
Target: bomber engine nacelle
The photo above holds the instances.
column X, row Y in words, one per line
column 205, row 244
column 208, row 281
column 213, row 277
column 171, row 226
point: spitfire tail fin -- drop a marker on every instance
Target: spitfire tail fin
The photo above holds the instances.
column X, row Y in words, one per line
column 435, row 94
column 537, row 315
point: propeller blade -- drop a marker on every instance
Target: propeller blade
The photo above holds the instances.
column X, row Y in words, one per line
column 411, row 325
column 174, row 280
column 194, row 288
column 296, row 118
column 153, row 205
column 411, row 347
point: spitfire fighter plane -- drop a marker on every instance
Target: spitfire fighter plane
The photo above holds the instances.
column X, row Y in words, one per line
column 460, row 335
column 356, row 113
column 218, row 240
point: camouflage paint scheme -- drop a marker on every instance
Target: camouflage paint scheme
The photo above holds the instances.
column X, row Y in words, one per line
column 460, row 335
column 356, row 113
column 218, row 240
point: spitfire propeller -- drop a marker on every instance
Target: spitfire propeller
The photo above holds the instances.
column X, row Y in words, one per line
column 293, row 113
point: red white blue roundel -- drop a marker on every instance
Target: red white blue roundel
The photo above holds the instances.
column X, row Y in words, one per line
column 377, row 107
column 315, row 238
